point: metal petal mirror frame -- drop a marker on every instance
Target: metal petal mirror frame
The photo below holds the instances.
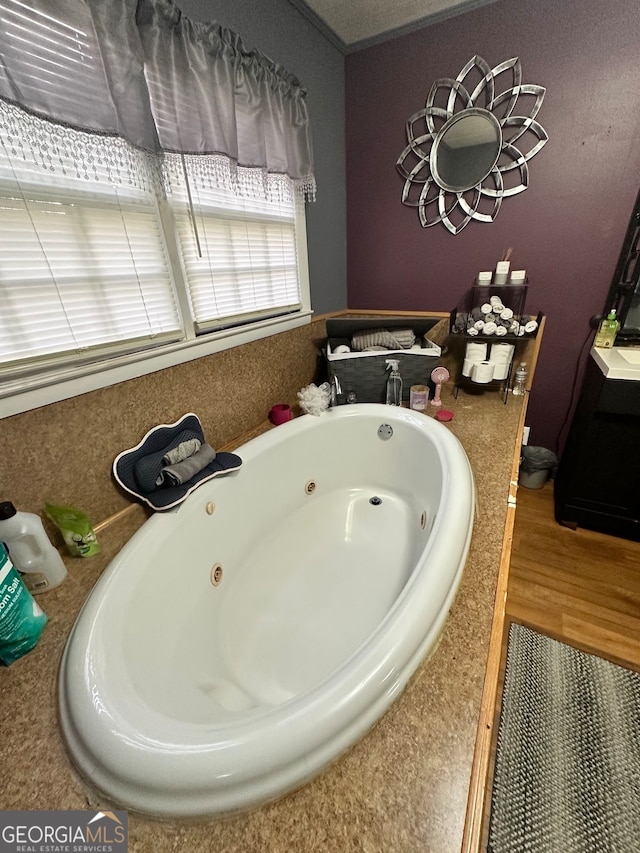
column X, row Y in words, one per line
column 425, row 189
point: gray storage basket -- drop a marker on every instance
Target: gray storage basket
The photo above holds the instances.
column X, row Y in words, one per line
column 367, row 377
column 365, row 374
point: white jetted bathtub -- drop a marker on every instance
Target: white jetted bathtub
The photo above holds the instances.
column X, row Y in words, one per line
column 242, row 641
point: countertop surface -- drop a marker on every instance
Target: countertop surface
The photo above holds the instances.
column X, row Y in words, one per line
column 403, row 788
column 618, row 362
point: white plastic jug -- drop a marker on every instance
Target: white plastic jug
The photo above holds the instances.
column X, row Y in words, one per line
column 41, row 566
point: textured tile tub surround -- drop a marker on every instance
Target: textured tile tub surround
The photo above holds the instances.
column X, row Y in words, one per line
column 66, row 448
column 402, row 788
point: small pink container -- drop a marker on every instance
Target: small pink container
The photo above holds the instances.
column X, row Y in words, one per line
column 280, row 413
column 418, row 396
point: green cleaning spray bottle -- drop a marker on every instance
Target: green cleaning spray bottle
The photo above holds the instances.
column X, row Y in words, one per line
column 607, row 331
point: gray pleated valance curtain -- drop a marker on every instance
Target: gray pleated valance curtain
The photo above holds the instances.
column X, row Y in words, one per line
column 141, row 71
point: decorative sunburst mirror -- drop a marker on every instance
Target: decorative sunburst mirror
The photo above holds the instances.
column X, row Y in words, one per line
column 469, row 148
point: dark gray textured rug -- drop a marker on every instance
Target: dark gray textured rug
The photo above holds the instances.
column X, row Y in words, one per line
column 567, row 775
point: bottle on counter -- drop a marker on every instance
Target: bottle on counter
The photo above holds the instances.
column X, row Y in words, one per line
column 394, row 384
column 40, row 565
column 607, row 331
column 520, row 382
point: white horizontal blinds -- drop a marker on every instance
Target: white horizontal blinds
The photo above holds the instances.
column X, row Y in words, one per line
column 83, row 264
column 248, row 266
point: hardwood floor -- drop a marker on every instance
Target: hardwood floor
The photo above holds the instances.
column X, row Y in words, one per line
column 579, row 586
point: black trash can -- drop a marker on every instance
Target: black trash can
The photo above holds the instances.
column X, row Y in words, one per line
column 536, row 464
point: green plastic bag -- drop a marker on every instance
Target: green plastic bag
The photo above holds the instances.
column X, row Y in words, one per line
column 76, row 529
column 21, row 619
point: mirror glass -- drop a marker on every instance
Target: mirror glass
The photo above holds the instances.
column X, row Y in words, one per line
column 466, row 150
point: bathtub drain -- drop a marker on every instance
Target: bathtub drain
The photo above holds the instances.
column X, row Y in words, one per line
column 375, row 500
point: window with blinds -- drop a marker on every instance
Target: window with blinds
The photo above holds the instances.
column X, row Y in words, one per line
column 83, row 264
column 105, row 251
column 239, row 251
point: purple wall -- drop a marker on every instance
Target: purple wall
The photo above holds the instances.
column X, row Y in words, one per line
column 566, row 229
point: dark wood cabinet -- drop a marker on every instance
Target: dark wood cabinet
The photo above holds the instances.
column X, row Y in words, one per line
column 598, row 479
